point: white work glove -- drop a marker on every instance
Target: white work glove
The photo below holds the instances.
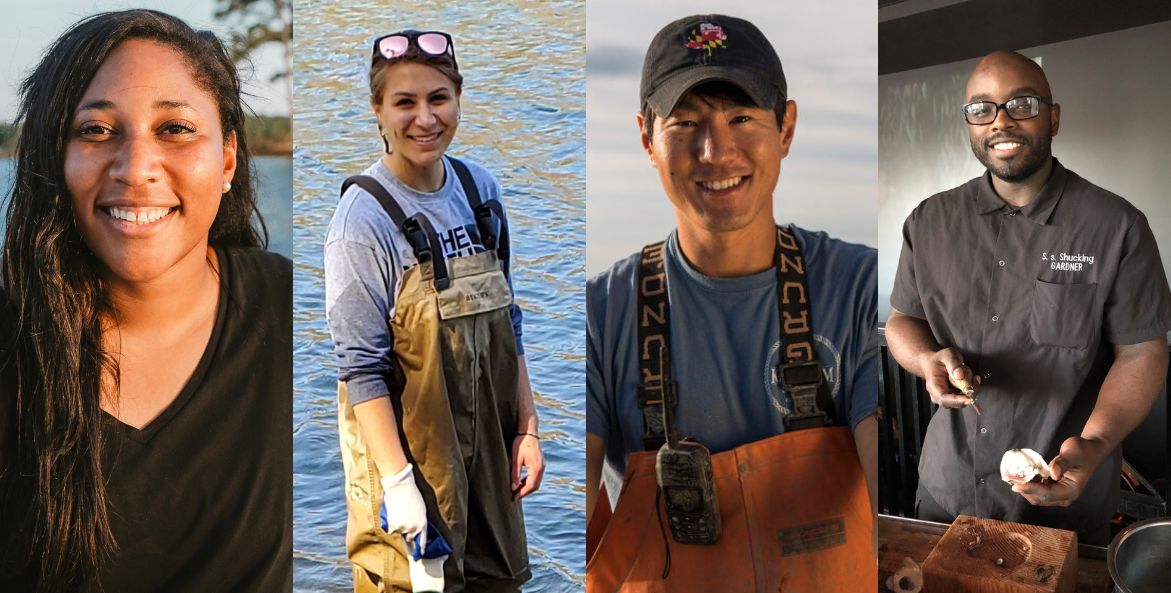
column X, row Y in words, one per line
column 405, row 511
column 426, row 574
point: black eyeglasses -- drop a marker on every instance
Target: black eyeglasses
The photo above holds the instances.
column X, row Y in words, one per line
column 432, row 43
column 982, row 113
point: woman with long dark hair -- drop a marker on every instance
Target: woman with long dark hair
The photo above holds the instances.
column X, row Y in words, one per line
column 145, row 395
column 438, row 428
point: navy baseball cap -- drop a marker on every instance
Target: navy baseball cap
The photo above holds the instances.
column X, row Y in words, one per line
column 712, row 47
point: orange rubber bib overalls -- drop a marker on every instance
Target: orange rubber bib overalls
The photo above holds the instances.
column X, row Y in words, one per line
column 455, row 346
column 794, row 510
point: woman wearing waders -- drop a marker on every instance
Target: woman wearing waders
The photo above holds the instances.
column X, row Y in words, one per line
column 145, row 335
column 435, row 413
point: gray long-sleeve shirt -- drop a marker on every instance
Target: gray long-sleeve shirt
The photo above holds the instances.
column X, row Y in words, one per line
column 365, row 256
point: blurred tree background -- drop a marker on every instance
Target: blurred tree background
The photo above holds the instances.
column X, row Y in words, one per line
column 259, row 24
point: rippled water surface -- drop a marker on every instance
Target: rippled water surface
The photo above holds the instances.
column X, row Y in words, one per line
column 523, row 119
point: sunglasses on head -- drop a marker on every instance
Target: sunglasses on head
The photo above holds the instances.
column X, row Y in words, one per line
column 432, row 43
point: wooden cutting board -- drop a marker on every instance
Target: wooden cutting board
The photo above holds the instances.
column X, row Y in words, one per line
column 988, row 556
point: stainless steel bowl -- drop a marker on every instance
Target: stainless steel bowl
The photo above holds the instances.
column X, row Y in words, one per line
column 1139, row 558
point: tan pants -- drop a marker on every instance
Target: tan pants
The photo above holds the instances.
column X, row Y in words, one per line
column 457, row 419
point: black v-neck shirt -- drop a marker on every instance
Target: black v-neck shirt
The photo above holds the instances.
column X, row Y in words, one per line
column 200, row 498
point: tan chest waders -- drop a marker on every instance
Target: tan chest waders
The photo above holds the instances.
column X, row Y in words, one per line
column 794, row 510
column 455, row 351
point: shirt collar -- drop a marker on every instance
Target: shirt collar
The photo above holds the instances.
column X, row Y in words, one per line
column 1039, row 210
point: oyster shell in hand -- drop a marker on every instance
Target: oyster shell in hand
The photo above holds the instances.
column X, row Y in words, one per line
column 1019, row 466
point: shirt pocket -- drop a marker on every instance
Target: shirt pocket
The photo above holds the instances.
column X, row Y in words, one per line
column 1063, row 314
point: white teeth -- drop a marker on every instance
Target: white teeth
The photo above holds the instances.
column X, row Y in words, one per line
column 721, row 184
column 138, row 215
column 426, row 138
column 1005, row 145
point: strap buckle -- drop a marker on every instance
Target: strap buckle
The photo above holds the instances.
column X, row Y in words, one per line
column 803, row 380
column 418, row 239
column 421, row 236
column 483, row 214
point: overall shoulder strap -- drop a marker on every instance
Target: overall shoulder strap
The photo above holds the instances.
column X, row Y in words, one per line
column 483, row 212
column 417, row 229
column 655, row 389
column 374, row 188
column 466, row 181
column 798, row 369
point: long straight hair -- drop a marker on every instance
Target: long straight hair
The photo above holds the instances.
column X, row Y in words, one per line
column 52, row 487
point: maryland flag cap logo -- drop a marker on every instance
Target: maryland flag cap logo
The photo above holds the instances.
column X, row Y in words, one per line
column 708, row 37
column 710, row 47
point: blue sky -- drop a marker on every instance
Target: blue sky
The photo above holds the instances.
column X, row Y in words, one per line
column 28, row 27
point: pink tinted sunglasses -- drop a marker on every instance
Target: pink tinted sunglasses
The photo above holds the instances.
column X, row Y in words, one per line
column 434, row 43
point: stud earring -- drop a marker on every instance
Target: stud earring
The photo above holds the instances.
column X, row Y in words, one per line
column 227, row 187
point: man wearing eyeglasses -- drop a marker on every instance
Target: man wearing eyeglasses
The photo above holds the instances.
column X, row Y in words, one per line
column 1047, row 295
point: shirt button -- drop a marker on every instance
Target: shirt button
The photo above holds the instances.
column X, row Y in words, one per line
column 984, row 430
column 1002, row 263
column 980, row 481
column 995, row 318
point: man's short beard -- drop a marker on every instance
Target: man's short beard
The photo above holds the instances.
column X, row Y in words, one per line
column 1035, row 157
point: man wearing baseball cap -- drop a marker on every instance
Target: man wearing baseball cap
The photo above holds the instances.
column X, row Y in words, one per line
column 732, row 368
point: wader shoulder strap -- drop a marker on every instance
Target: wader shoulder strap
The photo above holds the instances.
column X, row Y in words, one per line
column 798, row 370
column 654, row 337
column 483, row 212
column 375, row 189
column 417, row 229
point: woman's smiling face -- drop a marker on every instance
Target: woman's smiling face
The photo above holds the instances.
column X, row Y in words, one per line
column 146, row 162
column 419, row 112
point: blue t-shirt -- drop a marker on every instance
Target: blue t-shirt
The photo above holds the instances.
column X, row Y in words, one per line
column 725, row 346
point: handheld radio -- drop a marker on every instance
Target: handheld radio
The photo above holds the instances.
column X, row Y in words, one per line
column 684, row 472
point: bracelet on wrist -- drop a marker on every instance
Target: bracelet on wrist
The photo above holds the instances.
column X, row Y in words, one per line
column 531, row 434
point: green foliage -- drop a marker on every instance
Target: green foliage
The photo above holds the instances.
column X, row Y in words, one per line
column 8, row 134
column 269, row 135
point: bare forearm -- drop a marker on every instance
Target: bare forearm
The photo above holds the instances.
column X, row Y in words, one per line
column 910, row 341
column 526, row 410
column 1126, row 397
column 595, row 450
column 1128, row 393
column 866, row 442
column 377, row 424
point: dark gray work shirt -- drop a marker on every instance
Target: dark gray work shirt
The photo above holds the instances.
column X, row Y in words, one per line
column 1034, row 298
